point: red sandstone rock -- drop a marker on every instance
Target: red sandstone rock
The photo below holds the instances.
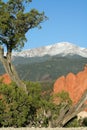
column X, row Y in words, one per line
column 5, row 79
column 75, row 85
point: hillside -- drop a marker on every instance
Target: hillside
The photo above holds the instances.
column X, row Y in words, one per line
column 47, row 67
column 49, row 62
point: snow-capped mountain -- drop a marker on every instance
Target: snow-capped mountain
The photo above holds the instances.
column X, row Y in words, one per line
column 62, row 48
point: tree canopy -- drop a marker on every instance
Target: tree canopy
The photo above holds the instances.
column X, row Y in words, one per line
column 15, row 22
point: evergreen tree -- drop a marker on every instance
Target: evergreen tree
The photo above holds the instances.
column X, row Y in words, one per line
column 15, row 22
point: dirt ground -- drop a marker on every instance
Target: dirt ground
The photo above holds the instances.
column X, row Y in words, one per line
column 80, row 128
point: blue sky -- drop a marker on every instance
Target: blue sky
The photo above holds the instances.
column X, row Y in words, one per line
column 67, row 22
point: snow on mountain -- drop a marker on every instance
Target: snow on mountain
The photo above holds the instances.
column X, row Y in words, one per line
column 62, row 48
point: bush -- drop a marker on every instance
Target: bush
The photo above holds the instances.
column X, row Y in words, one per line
column 84, row 122
column 14, row 106
column 17, row 109
column 73, row 123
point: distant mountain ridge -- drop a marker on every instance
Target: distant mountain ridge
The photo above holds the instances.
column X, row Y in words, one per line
column 62, row 48
column 49, row 62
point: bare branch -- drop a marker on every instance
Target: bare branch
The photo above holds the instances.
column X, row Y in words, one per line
column 74, row 110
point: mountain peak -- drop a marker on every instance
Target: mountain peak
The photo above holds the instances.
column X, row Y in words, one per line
column 61, row 48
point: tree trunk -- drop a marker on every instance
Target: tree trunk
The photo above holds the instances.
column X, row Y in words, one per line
column 67, row 115
column 10, row 69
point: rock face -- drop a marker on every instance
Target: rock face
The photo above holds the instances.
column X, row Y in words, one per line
column 5, row 79
column 74, row 84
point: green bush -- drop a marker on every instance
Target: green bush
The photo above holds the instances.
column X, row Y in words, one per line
column 17, row 109
column 73, row 123
column 84, row 122
column 14, row 106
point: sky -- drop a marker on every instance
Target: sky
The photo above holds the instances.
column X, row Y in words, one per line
column 67, row 22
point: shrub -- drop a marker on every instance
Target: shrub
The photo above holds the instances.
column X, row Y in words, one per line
column 14, row 106
column 84, row 122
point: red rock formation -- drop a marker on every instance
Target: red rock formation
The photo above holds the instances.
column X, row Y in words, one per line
column 5, row 79
column 75, row 85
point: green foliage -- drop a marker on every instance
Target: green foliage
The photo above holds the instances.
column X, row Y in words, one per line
column 14, row 106
column 34, row 91
column 15, row 22
column 39, row 104
column 63, row 97
column 84, row 122
column 73, row 123
column 63, row 101
column 17, row 109
column 34, row 69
